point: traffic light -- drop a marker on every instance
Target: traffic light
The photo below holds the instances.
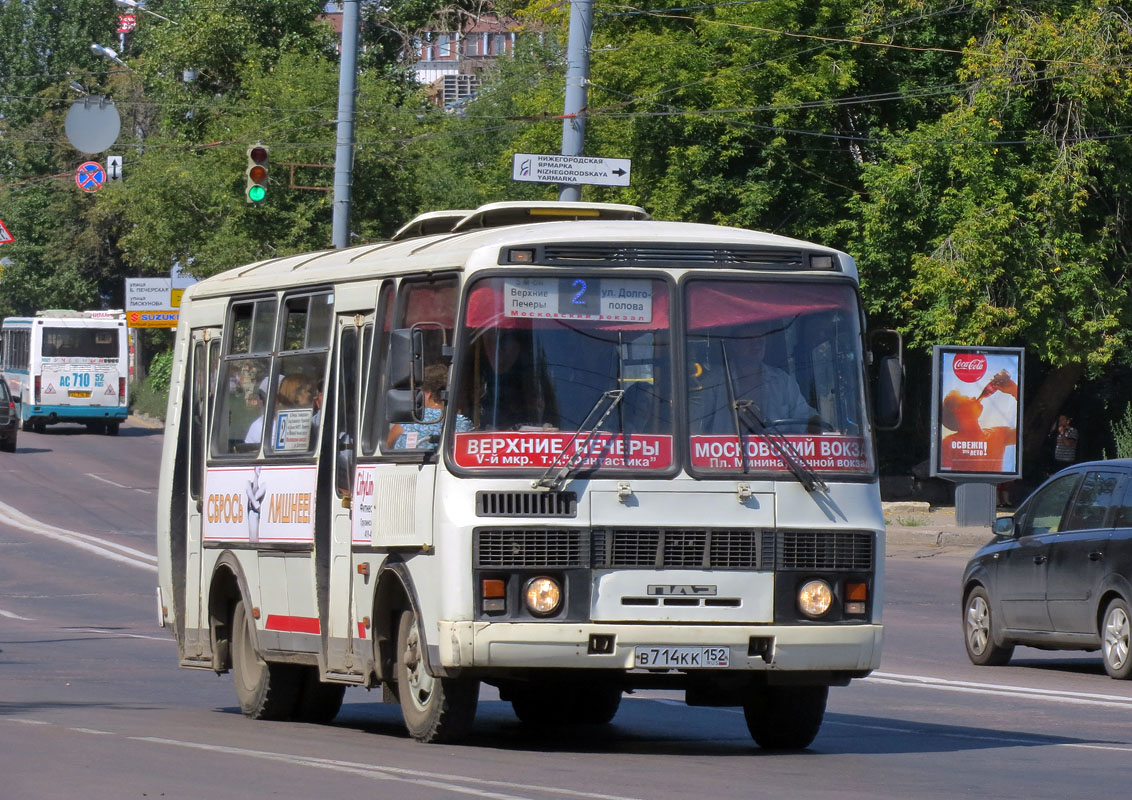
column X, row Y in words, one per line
column 256, row 189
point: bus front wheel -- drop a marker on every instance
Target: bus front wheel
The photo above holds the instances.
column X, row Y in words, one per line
column 265, row 691
column 434, row 709
column 785, row 717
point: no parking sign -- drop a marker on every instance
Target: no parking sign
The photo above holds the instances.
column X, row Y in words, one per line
column 90, row 176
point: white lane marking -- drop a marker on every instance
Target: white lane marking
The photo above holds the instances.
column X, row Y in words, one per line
column 437, row 780
column 119, row 485
column 10, row 615
column 23, row 721
column 93, row 544
column 92, row 730
column 1001, row 690
column 122, row 634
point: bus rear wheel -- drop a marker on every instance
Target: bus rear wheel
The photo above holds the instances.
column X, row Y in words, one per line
column 265, row 690
column 785, row 717
column 318, row 702
column 111, row 428
column 435, row 709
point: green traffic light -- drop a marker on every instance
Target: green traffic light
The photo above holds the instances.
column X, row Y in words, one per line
column 256, row 193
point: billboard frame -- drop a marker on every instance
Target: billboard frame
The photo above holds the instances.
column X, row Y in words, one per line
column 1010, row 358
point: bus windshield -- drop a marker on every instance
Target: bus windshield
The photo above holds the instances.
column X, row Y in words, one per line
column 775, row 364
column 574, row 369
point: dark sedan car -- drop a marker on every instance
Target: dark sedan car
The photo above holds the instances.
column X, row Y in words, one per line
column 1057, row 575
column 9, row 419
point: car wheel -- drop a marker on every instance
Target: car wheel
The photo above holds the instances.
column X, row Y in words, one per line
column 9, row 444
column 434, row 709
column 978, row 632
column 1115, row 633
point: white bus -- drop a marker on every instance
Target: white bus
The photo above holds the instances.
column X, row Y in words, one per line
column 68, row 366
column 537, row 451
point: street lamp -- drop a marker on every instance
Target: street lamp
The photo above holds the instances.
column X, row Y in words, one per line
column 133, row 5
column 107, row 52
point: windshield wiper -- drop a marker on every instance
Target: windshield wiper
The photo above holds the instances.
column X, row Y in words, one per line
column 553, row 482
column 746, row 411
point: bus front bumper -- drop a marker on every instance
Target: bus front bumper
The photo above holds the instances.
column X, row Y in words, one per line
column 810, row 648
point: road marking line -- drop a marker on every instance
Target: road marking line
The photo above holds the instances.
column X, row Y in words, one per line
column 1001, row 690
column 437, row 780
column 92, row 730
column 123, row 634
column 119, row 485
column 84, row 541
column 10, row 615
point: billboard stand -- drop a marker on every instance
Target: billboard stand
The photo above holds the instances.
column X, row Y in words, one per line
column 975, row 504
column 976, row 425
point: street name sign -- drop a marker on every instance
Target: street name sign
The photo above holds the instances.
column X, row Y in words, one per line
column 570, row 169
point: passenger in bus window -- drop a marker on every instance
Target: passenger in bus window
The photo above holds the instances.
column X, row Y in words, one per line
column 255, row 430
column 425, row 435
column 296, row 394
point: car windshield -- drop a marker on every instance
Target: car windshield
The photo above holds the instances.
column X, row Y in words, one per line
column 540, row 358
column 775, row 366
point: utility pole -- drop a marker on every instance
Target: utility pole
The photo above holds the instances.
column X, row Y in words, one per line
column 577, row 80
column 344, row 153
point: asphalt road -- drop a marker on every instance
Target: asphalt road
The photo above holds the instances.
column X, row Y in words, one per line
column 92, row 704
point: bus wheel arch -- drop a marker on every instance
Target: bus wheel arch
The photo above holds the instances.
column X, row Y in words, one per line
column 226, row 588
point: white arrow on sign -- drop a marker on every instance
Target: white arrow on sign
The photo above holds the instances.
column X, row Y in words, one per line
column 114, row 168
column 570, row 169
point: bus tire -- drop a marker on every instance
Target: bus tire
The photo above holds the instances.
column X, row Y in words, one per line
column 111, row 429
column 96, row 427
column 265, row 690
column 27, row 425
column 785, row 717
column 318, row 702
column 435, row 710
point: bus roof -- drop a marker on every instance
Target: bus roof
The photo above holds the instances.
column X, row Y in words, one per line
column 694, row 244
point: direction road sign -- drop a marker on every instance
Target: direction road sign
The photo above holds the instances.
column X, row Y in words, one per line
column 570, row 169
column 114, row 168
column 90, row 176
column 5, row 237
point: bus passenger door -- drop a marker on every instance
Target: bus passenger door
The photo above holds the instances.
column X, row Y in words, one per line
column 340, row 658
column 200, row 378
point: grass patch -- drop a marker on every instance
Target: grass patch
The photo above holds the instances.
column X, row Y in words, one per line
column 911, row 522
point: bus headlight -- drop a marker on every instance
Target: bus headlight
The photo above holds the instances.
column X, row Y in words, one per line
column 814, row 598
column 543, row 595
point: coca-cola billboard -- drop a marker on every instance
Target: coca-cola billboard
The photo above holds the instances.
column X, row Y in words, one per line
column 977, row 413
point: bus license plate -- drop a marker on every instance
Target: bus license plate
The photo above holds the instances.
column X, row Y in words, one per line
column 682, row 657
column 78, row 394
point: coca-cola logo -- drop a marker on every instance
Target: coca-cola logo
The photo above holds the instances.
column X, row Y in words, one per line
column 969, row 368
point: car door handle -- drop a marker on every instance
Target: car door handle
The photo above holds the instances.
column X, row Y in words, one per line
column 1096, row 556
column 1039, row 559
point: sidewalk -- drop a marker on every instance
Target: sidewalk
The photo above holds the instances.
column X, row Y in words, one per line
column 918, row 523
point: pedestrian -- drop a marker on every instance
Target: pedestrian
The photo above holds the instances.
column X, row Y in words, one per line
column 1065, row 446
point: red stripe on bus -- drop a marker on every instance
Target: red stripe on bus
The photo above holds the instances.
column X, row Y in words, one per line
column 277, row 622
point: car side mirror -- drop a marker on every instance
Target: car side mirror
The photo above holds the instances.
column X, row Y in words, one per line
column 1004, row 526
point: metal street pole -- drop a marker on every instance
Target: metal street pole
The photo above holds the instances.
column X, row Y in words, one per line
column 577, row 79
column 344, row 153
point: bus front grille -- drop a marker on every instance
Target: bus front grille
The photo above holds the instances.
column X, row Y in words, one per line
column 825, row 550
column 526, row 504
column 674, row 548
column 524, row 547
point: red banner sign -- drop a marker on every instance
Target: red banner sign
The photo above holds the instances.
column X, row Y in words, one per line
column 539, row 449
column 820, row 453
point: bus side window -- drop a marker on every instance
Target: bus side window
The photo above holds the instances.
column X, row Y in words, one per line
column 430, row 304
column 244, row 382
column 376, row 348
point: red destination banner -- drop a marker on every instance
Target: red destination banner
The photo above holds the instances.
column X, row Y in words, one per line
column 539, row 449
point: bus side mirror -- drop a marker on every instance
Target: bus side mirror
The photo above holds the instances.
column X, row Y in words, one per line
column 406, row 358
column 888, row 405
column 404, row 405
